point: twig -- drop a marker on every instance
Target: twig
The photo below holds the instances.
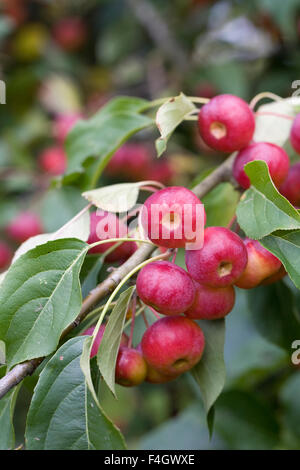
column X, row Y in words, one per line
column 159, row 32
column 219, row 175
column 263, row 95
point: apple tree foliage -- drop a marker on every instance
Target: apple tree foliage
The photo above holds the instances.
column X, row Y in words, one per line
column 42, row 292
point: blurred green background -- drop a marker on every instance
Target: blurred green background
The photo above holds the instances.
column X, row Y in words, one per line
column 69, row 58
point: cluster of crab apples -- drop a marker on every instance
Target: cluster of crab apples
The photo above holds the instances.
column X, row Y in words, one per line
column 205, row 290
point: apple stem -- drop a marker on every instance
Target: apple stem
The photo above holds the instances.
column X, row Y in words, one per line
column 232, row 221
column 261, row 96
column 174, row 256
column 154, row 313
column 145, row 320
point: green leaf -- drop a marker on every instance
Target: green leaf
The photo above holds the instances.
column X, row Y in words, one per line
column 220, row 205
column 89, row 273
column 274, row 313
column 273, row 127
column 210, row 371
column 210, row 419
column 186, row 430
column 169, row 116
column 244, row 422
column 287, row 249
column 117, row 197
column 263, row 210
column 289, row 397
column 63, row 414
column 2, row 352
column 39, row 297
column 85, row 365
column 109, row 346
column 69, row 201
column 249, row 357
column 100, row 136
column 7, row 406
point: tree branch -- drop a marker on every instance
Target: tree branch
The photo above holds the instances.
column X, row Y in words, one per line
column 159, row 32
column 19, row 372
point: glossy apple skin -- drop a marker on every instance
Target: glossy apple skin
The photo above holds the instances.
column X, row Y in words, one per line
column 295, row 134
column 280, row 274
column 211, row 303
column 156, row 377
column 173, row 345
column 178, row 203
column 275, row 157
column 166, row 287
column 221, row 261
column 261, row 265
column 63, row 124
column 98, row 339
column 233, row 119
column 131, row 367
column 53, row 161
column 6, row 255
column 108, row 225
column 25, row 225
column 132, row 162
column 290, row 188
column 153, row 375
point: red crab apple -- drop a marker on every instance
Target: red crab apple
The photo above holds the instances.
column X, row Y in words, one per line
column 70, row 33
column 53, row 161
column 5, row 255
column 275, row 157
column 166, row 287
column 107, row 225
column 221, row 261
column 173, row 217
column 173, row 345
column 98, row 339
column 153, row 375
column 25, row 225
column 295, row 133
column 63, row 124
column 261, row 265
column 131, row 367
column 132, row 161
column 226, row 123
column 156, row 377
column 275, row 277
column 211, row 303
column 290, row 188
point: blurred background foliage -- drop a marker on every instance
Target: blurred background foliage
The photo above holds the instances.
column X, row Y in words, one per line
column 69, row 58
